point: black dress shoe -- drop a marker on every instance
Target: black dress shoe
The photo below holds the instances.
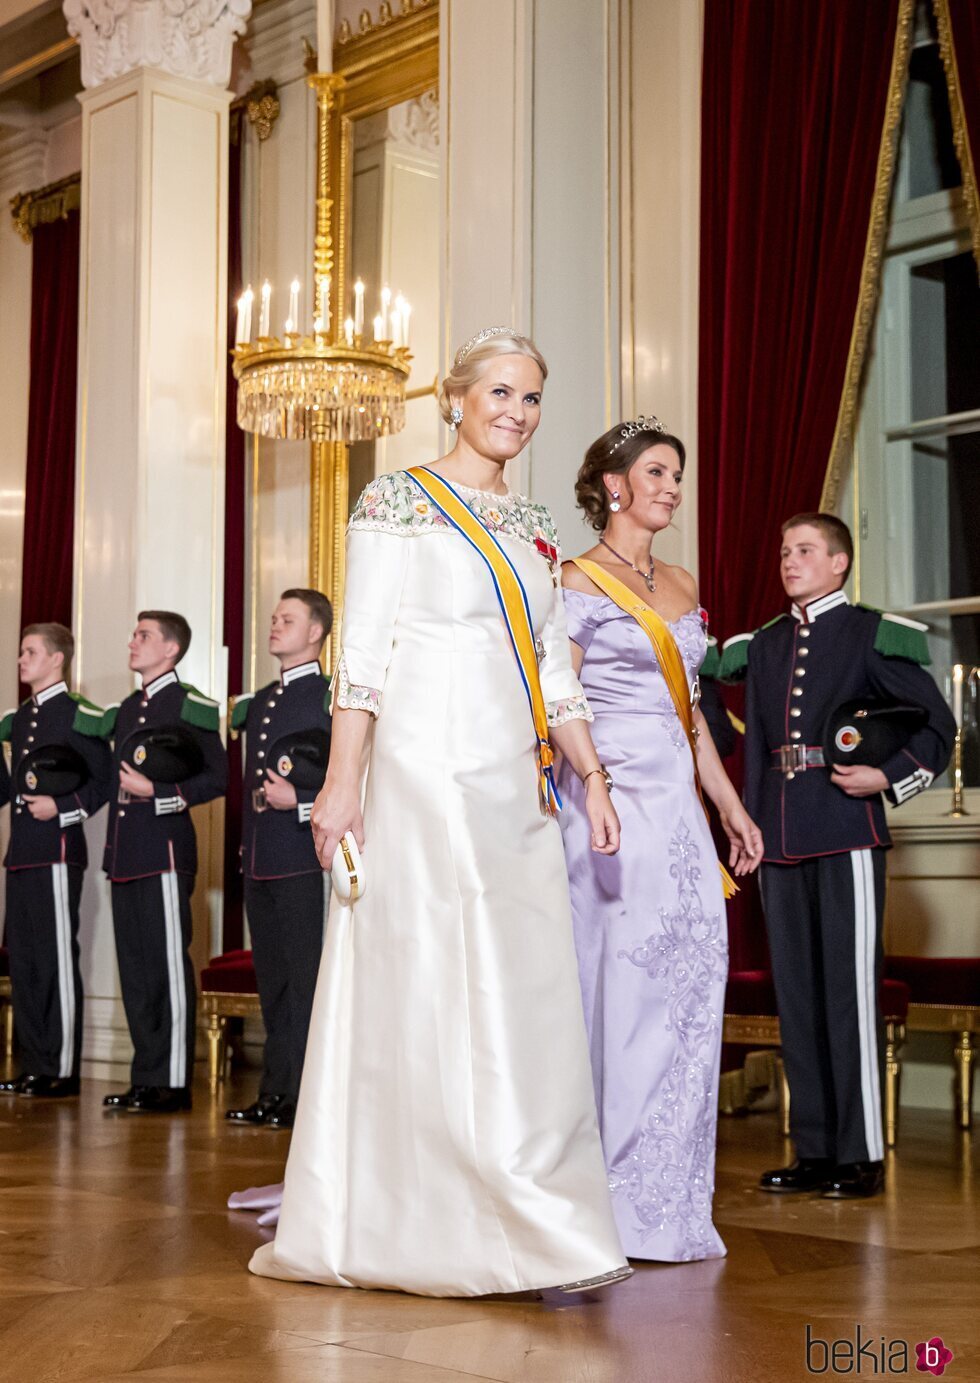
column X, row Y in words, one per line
column 805, row 1174
column 51, row 1087
column 15, row 1086
column 160, row 1099
column 256, row 1113
column 124, row 1099
column 853, row 1181
column 284, row 1114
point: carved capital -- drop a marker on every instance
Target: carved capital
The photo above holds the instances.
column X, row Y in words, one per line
column 188, row 38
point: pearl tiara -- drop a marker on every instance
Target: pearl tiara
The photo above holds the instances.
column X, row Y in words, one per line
column 641, row 424
column 482, row 336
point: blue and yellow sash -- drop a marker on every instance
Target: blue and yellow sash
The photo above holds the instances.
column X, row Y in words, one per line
column 514, row 607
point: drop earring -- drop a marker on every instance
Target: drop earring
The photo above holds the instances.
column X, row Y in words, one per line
column 615, row 506
column 455, row 416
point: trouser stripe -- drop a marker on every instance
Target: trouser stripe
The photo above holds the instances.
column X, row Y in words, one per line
column 865, row 936
column 175, row 977
column 66, row 974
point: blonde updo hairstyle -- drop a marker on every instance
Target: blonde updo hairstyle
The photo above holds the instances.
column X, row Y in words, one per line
column 471, row 364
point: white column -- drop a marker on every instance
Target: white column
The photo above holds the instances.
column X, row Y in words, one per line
column 21, row 170
column 529, row 100
column 661, row 202
column 151, row 389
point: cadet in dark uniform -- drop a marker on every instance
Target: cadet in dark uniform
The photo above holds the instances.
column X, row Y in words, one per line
column 151, row 859
column 825, row 833
column 46, row 862
column 284, row 883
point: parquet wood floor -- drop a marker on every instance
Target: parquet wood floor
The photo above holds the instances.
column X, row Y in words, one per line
column 118, row 1261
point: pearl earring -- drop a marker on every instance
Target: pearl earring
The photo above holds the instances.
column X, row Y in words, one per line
column 615, row 506
column 455, row 416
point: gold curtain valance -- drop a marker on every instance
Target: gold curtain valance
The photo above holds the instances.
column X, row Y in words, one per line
column 47, row 204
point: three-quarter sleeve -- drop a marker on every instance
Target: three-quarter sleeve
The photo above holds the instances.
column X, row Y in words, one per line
column 376, row 564
column 564, row 698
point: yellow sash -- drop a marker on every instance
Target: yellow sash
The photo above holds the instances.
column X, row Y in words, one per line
column 671, row 665
column 514, row 607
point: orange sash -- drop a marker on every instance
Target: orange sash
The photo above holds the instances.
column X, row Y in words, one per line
column 671, row 665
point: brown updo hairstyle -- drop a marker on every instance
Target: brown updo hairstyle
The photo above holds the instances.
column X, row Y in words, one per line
column 474, row 362
column 614, row 454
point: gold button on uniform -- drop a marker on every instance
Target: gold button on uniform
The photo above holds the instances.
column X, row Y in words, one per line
column 795, row 735
column 790, row 775
column 801, row 672
column 796, row 711
column 797, row 691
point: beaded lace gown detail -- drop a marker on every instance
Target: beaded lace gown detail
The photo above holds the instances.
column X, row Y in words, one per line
column 651, row 939
column 446, row 1140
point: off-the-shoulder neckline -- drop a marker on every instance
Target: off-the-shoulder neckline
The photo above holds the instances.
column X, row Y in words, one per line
column 589, row 595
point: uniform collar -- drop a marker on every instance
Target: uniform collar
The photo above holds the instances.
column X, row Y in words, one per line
column 49, row 692
column 158, row 683
column 302, row 670
column 806, row 614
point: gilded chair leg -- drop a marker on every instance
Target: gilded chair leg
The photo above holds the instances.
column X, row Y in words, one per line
column 963, row 1053
column 894, row 1037
column 8, row 1028
column 783, row 1097
column 217, row 1049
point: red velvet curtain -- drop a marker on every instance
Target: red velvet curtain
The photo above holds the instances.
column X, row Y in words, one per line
column 49, row 498
column 235, row 529
column 793, row 105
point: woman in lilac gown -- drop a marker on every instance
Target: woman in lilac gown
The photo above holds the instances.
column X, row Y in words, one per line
column 649, row 922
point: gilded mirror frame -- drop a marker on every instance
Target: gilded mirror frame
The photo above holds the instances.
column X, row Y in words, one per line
column 386, row 63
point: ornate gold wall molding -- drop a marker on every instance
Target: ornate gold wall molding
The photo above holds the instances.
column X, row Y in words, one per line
column 46, row 204
column 873, row 253
column 961, row 134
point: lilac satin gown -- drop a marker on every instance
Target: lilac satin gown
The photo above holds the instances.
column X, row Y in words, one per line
column 651, row 939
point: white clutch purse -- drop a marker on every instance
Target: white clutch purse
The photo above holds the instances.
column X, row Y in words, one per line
column 347, row 870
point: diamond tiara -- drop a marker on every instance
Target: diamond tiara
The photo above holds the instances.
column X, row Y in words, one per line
column 482, row 336
column 641, row 424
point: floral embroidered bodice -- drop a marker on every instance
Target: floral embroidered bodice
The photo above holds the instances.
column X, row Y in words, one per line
column 395, row 504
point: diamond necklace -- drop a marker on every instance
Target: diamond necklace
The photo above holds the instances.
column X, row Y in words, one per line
column 647, row 575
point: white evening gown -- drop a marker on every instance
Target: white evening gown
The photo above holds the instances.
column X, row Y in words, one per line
column 446, row 1140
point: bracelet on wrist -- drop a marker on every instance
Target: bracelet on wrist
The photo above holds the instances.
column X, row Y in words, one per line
column 606, row 776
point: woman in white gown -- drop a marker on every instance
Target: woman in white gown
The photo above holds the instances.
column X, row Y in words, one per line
column 446, row 1140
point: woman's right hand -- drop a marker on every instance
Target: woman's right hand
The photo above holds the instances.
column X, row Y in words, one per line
column 336, row 810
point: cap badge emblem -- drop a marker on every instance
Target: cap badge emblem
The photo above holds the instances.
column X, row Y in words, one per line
column 847, row 739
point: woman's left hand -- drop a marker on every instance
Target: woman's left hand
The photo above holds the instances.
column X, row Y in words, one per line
column 745, row 839
column 602, row 816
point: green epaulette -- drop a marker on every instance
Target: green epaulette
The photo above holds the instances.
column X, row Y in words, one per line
column 88, row 717
column 734, row 662
column 199, row 710
column 239, row 710
column 899, row 637
column 711, row 666
column 7, row 724
column 108, row 727
column 775, row 620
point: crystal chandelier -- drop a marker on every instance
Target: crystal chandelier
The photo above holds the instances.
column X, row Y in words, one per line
column 332, row 385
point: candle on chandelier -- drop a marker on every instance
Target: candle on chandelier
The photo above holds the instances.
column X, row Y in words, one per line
column 358, row 308
column 958, row 695
column 240, row 321
column 385, row 305
column 247, row 298
column 379, row 327
column 290, row 326
column 325, row 300
column 349, row 331
column 264, row 308
column 405, row 312
column 293, row 304
column 318, row 326
column 396, row 327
